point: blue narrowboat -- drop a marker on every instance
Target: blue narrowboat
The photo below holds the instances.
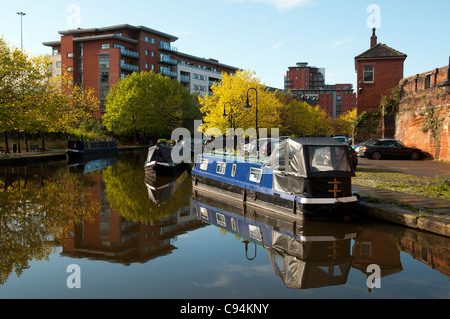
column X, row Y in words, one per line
column 309, row 177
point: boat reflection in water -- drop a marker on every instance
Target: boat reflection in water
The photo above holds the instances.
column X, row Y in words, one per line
column 85, row 167
column 162, row 188
column 304, row 254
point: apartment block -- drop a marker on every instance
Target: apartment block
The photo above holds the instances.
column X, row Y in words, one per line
column 309, row 83
column 100, row 57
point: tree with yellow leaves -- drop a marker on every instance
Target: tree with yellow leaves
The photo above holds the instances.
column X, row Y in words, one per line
column 229, row 97
column 31, row 100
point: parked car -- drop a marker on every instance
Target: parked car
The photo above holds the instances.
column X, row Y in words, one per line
column 354, row 156
column 388, row 148
column 357, row 146
column 266, row 146
column 344, row 139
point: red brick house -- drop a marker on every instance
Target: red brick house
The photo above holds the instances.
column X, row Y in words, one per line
column 379, row 70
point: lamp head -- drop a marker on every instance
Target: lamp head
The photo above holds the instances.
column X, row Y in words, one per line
column 247, row 106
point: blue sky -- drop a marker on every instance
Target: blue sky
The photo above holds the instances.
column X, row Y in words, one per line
column 264, row 36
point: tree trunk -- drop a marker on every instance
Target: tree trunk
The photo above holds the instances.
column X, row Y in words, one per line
column 18, row 142
column 26, row 141
column 6, row 142
column 42, row 142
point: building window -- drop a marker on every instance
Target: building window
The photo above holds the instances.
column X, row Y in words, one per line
column 105, row 46
column 146, row 52
column 368, row 74
column 146, row 39
column 70, row 55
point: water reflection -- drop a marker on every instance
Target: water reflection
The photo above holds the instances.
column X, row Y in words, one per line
column 304, row 254
column 134, row 223
column 112, row 211
column 311, row 254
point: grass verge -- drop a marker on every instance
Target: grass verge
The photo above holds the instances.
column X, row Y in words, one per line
column 405, row 183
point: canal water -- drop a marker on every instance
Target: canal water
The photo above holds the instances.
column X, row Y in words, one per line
column 105, row 229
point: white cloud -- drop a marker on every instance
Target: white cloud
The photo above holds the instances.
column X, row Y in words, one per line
column 336, row 44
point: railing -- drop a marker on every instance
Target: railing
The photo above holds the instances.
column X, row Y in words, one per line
column 185, row 78
column 165, row 59
column 166, row 46
column 169, row 73
column 129, row 53
column 129, row 67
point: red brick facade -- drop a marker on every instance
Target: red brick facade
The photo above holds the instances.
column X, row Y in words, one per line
column 379, row 70
column 335, row 99
column 127, row 49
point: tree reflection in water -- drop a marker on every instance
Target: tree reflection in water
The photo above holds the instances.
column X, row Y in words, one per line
column 37, row 212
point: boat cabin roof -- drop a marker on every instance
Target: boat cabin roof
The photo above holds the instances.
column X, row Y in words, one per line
column 311, row 157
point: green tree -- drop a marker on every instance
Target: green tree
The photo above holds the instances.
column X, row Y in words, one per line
column 147, row 102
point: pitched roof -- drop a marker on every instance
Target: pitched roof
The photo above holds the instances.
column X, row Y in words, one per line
column 381, row 51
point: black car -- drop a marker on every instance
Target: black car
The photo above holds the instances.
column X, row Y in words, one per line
column 388, row 148
column 354, row 157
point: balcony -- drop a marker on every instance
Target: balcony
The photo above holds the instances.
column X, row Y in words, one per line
column 167, row 60
column 129, row 53
column 129, row 67
column 185, row 78
column 167, row 47
column 169, row 73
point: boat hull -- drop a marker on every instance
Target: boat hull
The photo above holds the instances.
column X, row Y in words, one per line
column 317, row 201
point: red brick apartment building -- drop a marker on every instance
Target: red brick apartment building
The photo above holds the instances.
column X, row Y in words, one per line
column 309, row 81
column 379, row 70
column 100, row 57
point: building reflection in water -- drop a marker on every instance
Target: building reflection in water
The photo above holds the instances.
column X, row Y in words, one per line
column 113, row 238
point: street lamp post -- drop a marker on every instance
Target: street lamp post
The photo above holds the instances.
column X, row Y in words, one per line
column 21, row 48
column 21, row 28
column 446, row 85
column 247, row 107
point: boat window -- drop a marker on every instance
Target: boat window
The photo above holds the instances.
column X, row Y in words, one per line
column 233, row 224
column 204, row 164
column 255, row 232
column 221, row 168
column 255, row 175
column 233, row 170
column 221, row 220
column 203, row 213
column 326, row 158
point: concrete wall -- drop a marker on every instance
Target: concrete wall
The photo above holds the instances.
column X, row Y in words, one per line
column 423, row 118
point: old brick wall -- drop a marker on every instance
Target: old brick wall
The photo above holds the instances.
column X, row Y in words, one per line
column 423, row 118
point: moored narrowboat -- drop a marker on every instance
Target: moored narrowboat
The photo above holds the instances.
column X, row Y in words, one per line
column 90, row 150
column 309, row 177
column 160, row 162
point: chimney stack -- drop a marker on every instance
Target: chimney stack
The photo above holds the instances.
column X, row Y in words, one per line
column 373, row 39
